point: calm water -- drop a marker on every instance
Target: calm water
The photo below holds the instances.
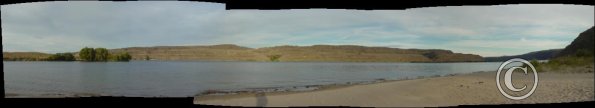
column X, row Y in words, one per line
column 182, row 79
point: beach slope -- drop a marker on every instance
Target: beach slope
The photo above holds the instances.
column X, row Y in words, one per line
column 467, row 89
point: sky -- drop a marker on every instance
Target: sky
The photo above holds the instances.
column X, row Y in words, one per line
column 54, row 27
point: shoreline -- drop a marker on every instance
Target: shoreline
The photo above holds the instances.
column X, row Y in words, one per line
column 315, row 87
column 265, row 61
column 51, row 95
column 249, row 92
column 448, row 90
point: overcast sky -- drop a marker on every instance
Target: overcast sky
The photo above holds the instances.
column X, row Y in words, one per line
column 53, row 27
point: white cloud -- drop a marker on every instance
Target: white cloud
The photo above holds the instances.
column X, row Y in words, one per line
column 505, row 47
column 468, row 29
column 512, row 44
column 50, row 44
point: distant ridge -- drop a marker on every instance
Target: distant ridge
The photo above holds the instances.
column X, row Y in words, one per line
column 24, row 56
column 320, row 53
column 537, row 55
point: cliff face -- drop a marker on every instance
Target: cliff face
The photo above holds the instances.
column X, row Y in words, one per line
column 584, row 41
column 334, row 53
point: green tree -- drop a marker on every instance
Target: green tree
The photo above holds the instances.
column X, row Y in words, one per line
column 101, row 54
column 68, row 57
column 121, row 57
column 87, row 54
column 147, row 57
column 61, row 57
column 127, row 56
column 54, row 57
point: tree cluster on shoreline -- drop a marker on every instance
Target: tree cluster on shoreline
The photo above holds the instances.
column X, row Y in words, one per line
column 61, row 57
column 85, row 54
column 102, row 55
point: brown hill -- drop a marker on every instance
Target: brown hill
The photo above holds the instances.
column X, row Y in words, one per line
column 224, row 52
column 353, row 53
column 330, row 53
column 24, row 56
column 334, row 53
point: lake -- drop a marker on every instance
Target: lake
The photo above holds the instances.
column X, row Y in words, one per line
column 188, row 78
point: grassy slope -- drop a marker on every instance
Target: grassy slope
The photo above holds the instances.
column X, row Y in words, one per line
column 578, row 54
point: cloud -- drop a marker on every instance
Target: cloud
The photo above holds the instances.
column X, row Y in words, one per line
column 506, row 47
column 66, row 26
column 108, row 24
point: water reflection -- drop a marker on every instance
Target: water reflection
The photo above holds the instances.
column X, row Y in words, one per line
column 93, row 77
column 181, row 79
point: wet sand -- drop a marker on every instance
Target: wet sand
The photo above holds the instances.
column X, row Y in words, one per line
column 467, row 89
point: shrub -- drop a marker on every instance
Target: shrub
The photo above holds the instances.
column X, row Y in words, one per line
column 125, row 56
column 61, row 57
column 121, row 57
column 583, row 53
column 567, row 62
column 274, row 58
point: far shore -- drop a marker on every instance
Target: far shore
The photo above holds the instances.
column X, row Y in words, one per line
column 466, row 89
column 261, row 61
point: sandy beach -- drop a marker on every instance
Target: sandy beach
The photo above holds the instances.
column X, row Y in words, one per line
column 466, row 89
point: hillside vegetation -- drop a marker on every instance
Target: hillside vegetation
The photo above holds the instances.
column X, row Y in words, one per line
column 575, row 57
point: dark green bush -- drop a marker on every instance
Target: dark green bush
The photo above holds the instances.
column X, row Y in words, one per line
column 121, row 57
column 61, row 57
column 274, row 58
